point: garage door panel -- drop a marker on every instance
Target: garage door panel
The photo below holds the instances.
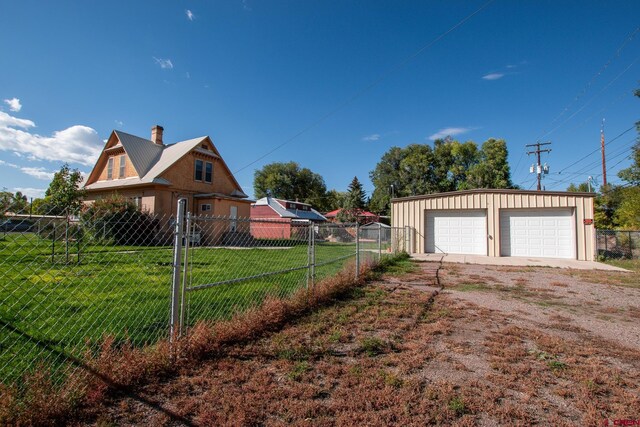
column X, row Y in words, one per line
column 456, row 231
column 537, row 233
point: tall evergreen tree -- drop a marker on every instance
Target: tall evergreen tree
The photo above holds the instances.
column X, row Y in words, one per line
column 354, row 204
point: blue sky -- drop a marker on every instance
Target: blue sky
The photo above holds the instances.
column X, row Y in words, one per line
column 255, row 75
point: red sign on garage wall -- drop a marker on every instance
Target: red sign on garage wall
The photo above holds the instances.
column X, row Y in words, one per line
column 588, row 221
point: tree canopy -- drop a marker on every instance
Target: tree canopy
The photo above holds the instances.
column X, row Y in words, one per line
column 13, row 202
column 64, row 195
column 291, row 182
column 447, row 166
column 583, row 187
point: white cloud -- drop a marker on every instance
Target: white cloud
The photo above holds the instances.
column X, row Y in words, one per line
column 187, row 75
column 246, row 6
column 493, row 76
column 14, row 104
column 11, row 165
column 442, row 133
column 7, row 120
column 39, row 173
column 190, row 15
column 164, row 63
column 76, row 144
column 36, row 193
column 118, row 123
column 372, row 137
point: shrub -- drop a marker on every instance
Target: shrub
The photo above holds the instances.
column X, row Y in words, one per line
column 119, row 221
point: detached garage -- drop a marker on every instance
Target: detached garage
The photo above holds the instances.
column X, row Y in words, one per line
column 500, row 223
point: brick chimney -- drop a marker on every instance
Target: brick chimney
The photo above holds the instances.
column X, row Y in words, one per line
column 156, row 134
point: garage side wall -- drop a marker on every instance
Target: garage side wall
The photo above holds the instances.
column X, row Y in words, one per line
column 412, row 212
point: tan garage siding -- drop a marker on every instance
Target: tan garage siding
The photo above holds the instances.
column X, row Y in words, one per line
column 411, row 212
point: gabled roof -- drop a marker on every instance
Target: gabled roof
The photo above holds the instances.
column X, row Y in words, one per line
column 172, row 153
column 143, row 153
column 279, row 207
column 151, row 160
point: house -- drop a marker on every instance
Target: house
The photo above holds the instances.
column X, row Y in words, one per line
column 364, row 217
column 155, row 175
column 277, row 219
column 500, row 223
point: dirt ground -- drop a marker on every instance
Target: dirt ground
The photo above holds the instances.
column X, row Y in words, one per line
column 454, row 344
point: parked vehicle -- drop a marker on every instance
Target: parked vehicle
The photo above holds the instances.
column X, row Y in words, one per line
column 15, row 225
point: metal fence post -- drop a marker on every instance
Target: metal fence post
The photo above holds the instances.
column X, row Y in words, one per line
column 175, row 289
column 53, row 243
column 357, row 250
column 309, row 256
column 187, row 243
column 379, row 242
column 312, row 256
column 630, row 247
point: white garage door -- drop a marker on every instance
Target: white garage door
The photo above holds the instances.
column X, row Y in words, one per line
column 547, row 233
column 456, row 232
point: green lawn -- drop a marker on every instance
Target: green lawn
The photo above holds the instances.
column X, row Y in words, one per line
column 49, row 301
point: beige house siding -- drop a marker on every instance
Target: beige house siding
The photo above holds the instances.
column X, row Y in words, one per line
column 182, row 176
column 411, row 212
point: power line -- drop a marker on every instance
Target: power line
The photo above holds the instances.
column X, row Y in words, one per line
column 373, row 84
column 593, row 98
column 570, row 176
column 590, row 83
column 596, row 150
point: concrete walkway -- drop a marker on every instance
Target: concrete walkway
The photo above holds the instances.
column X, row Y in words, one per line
column 517, row 261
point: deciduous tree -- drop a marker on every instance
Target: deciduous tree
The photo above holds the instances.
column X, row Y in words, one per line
column 64, row 195
column 449, row 165
column 291, row 182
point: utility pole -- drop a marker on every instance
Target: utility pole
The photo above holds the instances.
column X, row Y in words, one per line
column 537, row 152
column 604, row 163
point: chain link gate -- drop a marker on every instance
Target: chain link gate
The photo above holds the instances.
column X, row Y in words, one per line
column 224, row 266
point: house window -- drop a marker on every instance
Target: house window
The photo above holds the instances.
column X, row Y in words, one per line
column 205, row 207
column 138, row 202
column 122, row 166
column 199, row 167
column 110, row 168
column 208, row 172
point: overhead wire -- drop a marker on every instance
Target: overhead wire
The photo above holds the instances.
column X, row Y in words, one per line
column 369, row 87
column 596, row 150
column 592, row 99
column 584, row 90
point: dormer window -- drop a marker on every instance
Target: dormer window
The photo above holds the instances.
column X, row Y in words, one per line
column 199, row 167
column 208, row 172
column 121, row 173
column 110, row 168
column 203, row 171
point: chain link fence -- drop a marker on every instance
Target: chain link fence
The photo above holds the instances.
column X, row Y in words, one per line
column 612, row 244
column 68, row 283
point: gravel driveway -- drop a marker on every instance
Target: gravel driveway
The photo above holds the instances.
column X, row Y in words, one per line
column 451, row 344
column 604, row 304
